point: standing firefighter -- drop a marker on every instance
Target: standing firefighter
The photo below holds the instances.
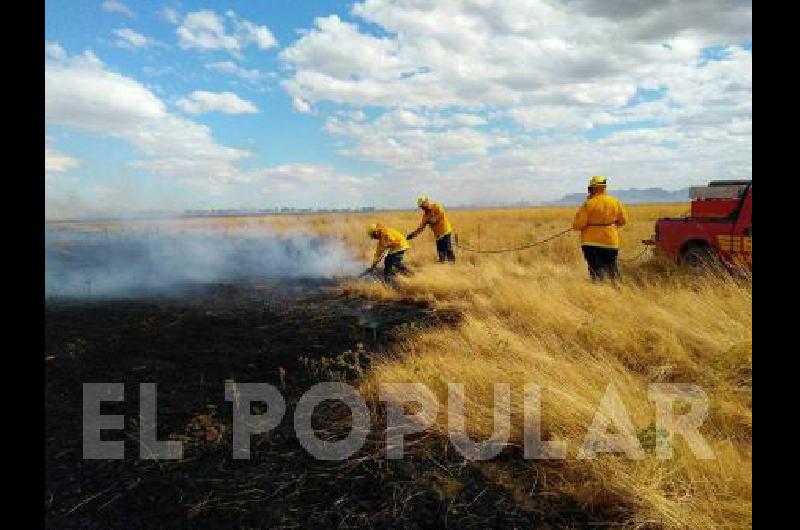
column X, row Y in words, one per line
column 598, row 219
column 393, row 243
column 433, row 214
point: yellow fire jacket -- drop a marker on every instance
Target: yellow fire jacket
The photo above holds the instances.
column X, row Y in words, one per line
column 598, row 219
column 391, row 240
column 437, row 218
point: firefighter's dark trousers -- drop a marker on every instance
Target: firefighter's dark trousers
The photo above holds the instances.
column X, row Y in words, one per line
column 602, row 262
column 392, row 262
column 444, row 247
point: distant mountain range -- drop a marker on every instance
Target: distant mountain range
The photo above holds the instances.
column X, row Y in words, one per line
column 633, row 196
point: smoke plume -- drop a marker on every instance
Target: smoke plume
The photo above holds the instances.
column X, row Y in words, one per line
column 135, row 264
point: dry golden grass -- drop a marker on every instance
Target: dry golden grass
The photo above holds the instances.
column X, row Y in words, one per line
column 533, row 317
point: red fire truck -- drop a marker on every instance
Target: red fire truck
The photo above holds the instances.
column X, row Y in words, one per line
column 719, row 228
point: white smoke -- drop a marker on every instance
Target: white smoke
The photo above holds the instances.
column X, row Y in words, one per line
column 135, row 264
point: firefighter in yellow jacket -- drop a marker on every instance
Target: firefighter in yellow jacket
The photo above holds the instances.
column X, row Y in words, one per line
column 433, row 214
column 391, row 242
column 597, row 220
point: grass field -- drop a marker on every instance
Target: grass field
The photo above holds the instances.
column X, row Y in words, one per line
column 534, row 317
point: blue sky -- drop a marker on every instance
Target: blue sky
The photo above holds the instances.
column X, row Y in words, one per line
column 83, row 25
column 337, row 103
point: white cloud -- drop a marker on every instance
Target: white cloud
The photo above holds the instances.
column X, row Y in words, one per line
column 115, row 6
column 201, row 101
column 129, row 38
column 469, row 120
column 337, row 50
column 573, row 73
column 231, row 68
column 57, row 162
column 54, row 50
column 302, row 183
column 703, row 131
column 301, row 105
column 561, row 117
column 81, row 92
column 411, row 144
column 205, row 30
column 249, row 33
column 504, row 53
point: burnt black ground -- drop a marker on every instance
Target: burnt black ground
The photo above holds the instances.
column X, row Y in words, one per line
column 189, row 346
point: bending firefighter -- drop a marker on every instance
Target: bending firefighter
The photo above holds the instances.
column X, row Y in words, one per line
column 598, row 219
column 391, row 242
column 433, row 214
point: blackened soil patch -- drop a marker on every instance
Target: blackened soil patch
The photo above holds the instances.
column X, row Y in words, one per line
column 289, row 334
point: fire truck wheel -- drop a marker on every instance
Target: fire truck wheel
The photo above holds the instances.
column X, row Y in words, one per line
column 700, row 257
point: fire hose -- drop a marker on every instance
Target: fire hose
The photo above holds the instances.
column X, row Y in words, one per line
column 535, row 244
column 645, row 248
column 514, row 249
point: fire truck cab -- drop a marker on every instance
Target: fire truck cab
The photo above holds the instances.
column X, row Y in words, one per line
column 719, row 228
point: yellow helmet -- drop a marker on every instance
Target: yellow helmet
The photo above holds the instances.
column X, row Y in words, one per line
column 422, row 199
column 371, row 229
column 597, row 181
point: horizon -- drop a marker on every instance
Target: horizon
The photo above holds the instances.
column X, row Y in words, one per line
column 155, row 214
column 564, row 200
column 159, row 105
